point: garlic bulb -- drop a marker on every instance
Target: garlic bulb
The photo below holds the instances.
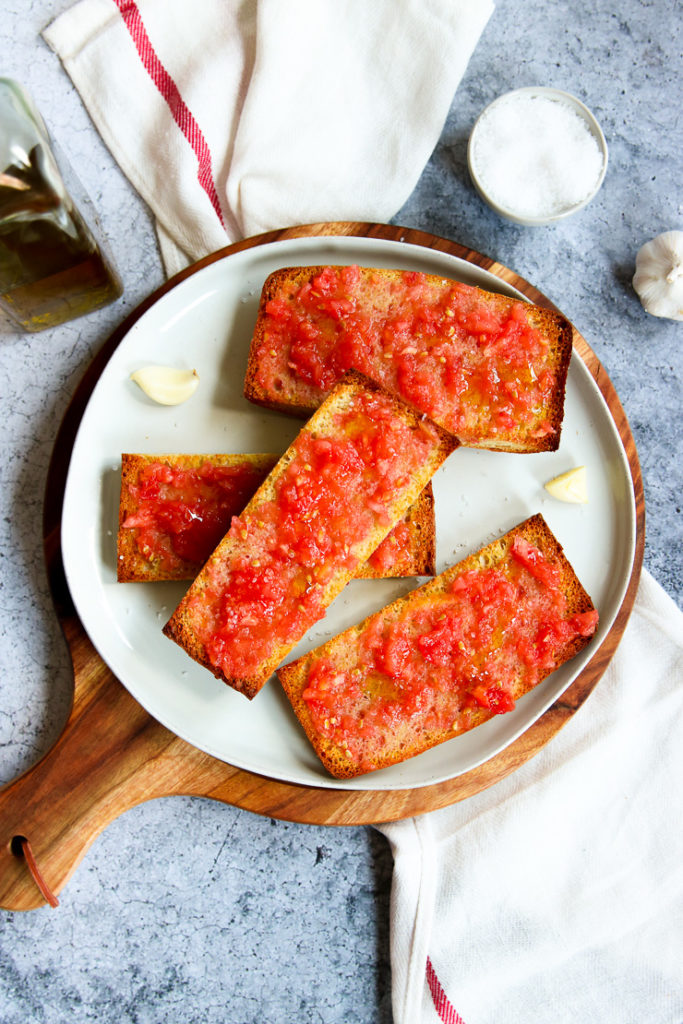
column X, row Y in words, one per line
column 166, row 384
column 658, row 279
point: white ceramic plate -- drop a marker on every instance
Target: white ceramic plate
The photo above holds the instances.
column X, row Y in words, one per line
column 205, row 322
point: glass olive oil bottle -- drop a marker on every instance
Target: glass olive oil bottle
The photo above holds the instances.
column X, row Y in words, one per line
column 52, row 269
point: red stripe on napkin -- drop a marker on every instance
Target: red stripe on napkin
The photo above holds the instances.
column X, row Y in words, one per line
column 442, row 1004
column 182, row 115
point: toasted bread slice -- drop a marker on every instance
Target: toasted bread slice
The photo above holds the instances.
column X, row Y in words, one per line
column 174, row 509
column 445, row 658
column 346, row 480
column 488, row 368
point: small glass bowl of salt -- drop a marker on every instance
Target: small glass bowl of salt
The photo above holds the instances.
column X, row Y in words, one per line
column 536, row 155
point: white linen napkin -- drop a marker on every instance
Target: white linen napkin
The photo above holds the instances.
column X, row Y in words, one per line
column 556, row 896
column 232, row 117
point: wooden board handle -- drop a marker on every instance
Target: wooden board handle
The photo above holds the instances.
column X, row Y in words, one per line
column 104, row 762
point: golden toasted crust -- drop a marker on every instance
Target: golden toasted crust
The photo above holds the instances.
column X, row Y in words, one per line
column 180, row 626
column 126, row 555
column 297, row 398
column 415, row 557
column 405, row 740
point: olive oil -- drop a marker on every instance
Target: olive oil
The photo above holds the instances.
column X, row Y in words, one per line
column 52, row 268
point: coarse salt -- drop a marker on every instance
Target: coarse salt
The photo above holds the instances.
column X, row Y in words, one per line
column 535, row 156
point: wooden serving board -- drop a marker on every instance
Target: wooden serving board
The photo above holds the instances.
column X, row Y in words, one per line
column 113, row 755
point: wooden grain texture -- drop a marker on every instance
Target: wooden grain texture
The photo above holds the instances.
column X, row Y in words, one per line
column 112, row 755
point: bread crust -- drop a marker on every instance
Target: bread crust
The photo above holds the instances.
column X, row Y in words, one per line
column 180, row 627
column 416, row 558
column 405, row 742
column 296, row 398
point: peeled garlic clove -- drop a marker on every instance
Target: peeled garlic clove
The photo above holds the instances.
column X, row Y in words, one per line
column 570, row 486
column 166, row 385
column 658, row 279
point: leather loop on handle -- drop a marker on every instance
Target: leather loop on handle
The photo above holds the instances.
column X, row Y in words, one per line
column 27, row 851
